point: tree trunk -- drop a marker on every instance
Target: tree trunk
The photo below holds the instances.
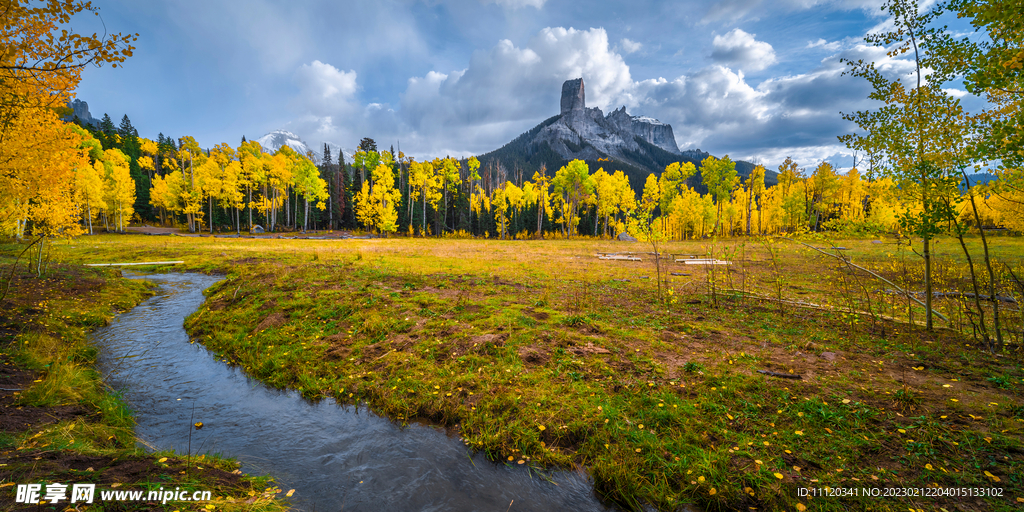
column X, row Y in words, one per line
column 988, row 264
column 248, row 188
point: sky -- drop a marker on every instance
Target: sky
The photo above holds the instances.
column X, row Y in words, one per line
column 756, row 80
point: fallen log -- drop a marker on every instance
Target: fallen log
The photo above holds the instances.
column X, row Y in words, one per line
column 780, row 375
column 130, row 264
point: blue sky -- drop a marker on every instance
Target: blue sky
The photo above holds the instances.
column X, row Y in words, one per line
column 758, row 80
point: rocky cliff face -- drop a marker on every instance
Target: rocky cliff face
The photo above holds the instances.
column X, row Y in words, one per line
column 586, row 133
column 573, row 96
column 636, row 145
column 80, row 109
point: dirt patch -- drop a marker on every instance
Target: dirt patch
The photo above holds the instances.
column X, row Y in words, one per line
column 589, row 349
column 275, row 319
column 497, row 339
column 64, row 465
column 338, row 346
column 538, row 315
column 532, row 356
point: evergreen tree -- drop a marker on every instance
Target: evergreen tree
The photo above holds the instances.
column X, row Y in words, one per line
column 367, row 144
column 106, row 133
column 132, row 148
column 345, row 211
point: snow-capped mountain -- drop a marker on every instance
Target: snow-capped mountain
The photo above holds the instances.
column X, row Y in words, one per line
column 273, row 141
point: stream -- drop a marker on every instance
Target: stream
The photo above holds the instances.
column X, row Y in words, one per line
column 335, row 457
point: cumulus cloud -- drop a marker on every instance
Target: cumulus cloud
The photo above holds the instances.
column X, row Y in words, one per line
column 511, row 83
column 740, row 49
column 630, row 46
column 323, row 86
column 956, row 93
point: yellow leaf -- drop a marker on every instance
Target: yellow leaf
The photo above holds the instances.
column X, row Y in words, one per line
column 289, row 493
column 758, row 462
column 799, row 432
column 162, row 459
column 700, row 479
column 846, row 400
column 928, row 466
column 778, row 475
column 729, row 416
column 801, row 507
column 541, row 427
column 712, row 491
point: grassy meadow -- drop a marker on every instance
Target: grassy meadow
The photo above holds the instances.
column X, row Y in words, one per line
column 543, row 355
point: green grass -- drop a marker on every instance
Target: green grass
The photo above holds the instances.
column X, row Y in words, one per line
column 538, row 354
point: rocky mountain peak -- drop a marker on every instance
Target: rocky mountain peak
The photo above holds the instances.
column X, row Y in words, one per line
column 573, row 96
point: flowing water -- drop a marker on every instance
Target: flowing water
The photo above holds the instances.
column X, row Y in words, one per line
column 336, row 458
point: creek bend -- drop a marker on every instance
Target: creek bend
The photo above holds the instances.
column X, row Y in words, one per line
column 335, row 457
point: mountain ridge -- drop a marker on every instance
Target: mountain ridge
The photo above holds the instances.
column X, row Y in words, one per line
column 635, row 145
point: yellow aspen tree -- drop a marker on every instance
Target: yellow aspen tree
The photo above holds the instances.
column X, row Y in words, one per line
column 542, row 183
column 308, row 184
column 755, row 187
column 571, row 186
column 499, row 203
column 120, row 188
column 191, row 156
column 380, row 201
column 625, row 200
column 425, row 185
column 251, row 156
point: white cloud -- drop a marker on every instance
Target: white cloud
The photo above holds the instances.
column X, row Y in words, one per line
column 742, row 50
column 956, row 93
column 821, row 43
column 630, row 46
column 510, row 83
column 322, row 85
